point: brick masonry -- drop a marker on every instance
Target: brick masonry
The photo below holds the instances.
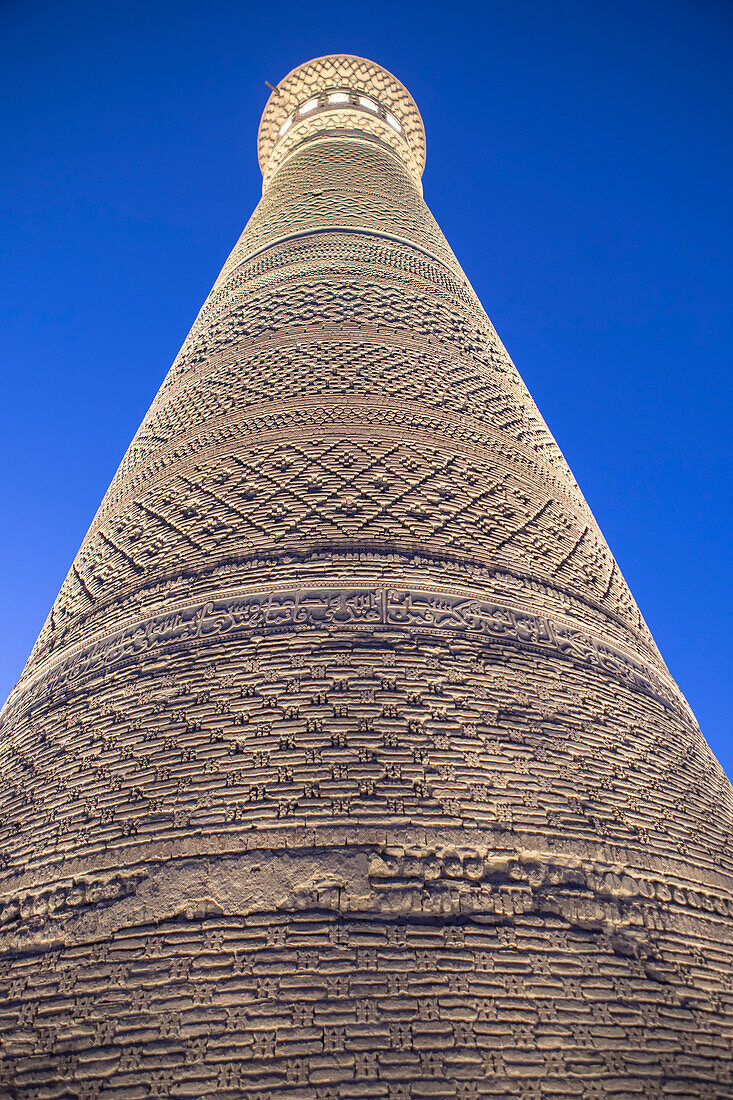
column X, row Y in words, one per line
column 345, row 765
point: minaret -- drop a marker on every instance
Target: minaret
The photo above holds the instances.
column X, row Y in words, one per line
column 345, row 765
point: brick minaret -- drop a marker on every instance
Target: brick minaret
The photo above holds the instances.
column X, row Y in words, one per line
column 345, row 765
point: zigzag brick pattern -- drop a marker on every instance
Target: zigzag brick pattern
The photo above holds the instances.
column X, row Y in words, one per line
column 345, row 765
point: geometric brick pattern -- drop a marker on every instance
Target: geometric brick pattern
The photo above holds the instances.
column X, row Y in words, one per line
column 345, row 765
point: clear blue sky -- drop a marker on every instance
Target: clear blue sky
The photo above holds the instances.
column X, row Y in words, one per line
column 579, row 158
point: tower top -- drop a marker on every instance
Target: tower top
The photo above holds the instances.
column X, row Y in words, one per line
column 330, row 95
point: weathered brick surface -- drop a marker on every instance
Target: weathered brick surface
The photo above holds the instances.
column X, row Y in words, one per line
column 345, row 765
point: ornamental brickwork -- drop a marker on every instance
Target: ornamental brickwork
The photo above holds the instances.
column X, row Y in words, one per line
column 345, row 765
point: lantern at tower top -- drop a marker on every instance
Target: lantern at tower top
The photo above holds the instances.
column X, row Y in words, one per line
column 340, row 96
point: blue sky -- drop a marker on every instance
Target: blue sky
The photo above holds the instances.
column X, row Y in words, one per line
column 579, row 160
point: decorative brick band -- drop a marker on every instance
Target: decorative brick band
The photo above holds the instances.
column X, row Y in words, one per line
column 372, row 609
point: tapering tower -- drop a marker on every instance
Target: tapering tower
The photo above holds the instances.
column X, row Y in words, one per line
column 345, row 765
